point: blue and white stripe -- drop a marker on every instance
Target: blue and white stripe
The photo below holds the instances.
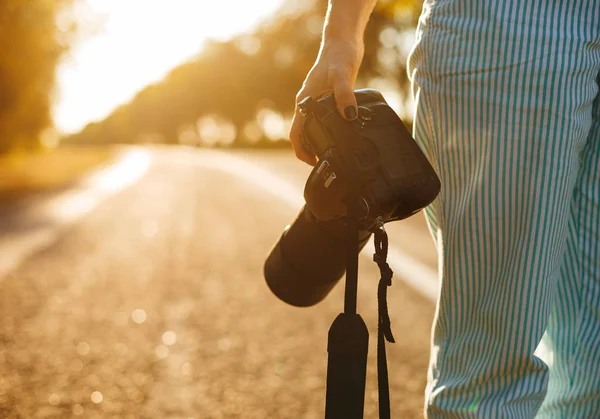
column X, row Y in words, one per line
column 508, row 112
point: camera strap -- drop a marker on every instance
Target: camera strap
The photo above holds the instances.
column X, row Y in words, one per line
column 384, row 329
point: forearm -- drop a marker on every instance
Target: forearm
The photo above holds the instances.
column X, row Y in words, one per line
column 337, row 65
column 346, row 20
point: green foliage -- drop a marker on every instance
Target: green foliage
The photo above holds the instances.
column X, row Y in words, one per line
column 235, row 79
column 31, row 49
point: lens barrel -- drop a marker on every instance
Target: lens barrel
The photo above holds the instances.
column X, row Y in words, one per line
column 309, row 259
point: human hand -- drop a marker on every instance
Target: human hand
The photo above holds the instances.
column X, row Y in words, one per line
column 335, row 70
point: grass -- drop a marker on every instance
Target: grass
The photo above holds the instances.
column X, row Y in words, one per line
column 24, row 173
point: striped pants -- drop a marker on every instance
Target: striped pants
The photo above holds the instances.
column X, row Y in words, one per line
column 508, row 112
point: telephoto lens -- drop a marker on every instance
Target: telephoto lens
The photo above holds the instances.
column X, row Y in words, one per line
column 309, row 259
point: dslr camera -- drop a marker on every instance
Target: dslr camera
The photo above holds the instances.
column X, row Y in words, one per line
column 373, row 161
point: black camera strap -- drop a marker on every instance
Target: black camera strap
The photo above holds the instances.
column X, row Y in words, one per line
column 384, row 329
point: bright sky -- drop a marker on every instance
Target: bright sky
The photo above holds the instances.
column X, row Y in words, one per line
column 139, row 42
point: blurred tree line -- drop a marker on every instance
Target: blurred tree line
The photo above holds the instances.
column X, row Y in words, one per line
column 33, row 38
column 241, row 92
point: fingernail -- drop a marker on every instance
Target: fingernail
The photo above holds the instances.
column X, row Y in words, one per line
column 350, row 112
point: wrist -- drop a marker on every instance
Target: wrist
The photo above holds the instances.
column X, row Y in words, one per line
column 350, row 48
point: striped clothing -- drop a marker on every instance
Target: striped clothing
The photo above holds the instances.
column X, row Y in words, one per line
column 508, row 112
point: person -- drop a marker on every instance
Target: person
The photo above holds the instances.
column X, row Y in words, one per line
column 508, row 113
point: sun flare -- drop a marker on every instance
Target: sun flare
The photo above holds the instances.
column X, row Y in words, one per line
column 138, row 43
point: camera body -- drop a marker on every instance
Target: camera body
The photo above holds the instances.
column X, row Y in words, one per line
column 372, row 164
column 373, row 157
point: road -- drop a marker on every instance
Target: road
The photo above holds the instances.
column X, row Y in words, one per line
column 147, row 300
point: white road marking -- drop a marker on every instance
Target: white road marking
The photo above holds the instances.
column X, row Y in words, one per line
column 413, row 272
column 99, row 185
column 70, row 206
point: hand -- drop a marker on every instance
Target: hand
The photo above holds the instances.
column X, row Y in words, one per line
column 334, row 71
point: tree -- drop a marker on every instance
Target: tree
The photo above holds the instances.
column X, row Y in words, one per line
column 31, row 45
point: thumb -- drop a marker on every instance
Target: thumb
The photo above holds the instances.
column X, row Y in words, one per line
column 345, row 100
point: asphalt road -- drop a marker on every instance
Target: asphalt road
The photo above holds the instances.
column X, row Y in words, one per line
column 152, row 304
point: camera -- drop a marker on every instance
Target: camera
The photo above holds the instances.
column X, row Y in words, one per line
column 372, row 163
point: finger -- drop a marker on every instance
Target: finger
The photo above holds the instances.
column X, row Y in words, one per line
column 296, row 139
column 344, row 99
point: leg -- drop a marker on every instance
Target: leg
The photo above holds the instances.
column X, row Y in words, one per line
column 504, row 111
column 573, row 336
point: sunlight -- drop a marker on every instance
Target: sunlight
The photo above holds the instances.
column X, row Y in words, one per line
column 140, row 41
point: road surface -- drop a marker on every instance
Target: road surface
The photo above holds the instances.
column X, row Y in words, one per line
column 141, row 295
